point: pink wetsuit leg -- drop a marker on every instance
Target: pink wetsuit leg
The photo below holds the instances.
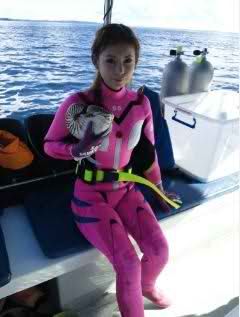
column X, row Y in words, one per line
column 140, row 221
column 101, row 225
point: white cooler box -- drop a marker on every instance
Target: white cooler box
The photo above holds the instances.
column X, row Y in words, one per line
column 204, row 130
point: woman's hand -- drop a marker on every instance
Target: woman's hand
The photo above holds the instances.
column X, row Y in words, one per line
column 88, row 145
column 162, row 203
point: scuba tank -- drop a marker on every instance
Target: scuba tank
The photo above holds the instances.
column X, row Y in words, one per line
column 200, row 73
column 175, row 76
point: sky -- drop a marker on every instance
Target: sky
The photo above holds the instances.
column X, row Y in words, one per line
column 219, row 15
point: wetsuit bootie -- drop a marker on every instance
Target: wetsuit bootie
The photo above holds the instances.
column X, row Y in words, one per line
column 157, row 297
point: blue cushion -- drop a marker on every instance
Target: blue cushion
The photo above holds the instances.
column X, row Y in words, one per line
column 5, row 273
column 49, row 211
column 163, row 143
column 191, row 191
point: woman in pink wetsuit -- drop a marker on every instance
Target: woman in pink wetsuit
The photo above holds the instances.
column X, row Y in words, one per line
column 106, row 212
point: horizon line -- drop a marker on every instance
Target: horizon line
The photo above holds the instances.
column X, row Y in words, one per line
column 95, row 22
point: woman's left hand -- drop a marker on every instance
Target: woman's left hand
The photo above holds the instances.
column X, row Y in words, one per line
column 172, row 196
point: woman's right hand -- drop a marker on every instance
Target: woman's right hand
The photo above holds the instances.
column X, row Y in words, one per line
column 88, row 145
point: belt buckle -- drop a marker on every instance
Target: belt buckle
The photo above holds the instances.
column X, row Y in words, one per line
column 110, row 176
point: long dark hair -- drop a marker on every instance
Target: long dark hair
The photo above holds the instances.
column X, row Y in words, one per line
column 111, row 34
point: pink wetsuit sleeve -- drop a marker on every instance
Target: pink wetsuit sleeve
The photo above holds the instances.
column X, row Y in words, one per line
column 153, row 173
column 54, row 144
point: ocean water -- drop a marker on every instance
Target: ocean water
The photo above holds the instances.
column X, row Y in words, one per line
column 43, row 62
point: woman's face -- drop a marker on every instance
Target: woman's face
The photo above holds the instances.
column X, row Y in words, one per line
column 116, row 65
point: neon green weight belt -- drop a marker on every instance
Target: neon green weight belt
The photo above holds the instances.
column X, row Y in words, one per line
column 92, row 176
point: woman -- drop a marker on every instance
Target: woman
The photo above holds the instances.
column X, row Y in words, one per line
column 106, row 211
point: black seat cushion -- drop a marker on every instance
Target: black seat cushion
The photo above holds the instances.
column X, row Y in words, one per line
column 50, row 214
column 163, row 142
column 13, row 126
column 5, row 273
column 12, row 178
column 192, row 192
column 37, row 127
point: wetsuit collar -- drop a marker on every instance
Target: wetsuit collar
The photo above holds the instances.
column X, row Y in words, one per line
column 115, row 94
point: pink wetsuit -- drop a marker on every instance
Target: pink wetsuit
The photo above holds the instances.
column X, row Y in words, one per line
column 106, row 213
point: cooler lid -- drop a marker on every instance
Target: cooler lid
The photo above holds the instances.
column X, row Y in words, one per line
column 217, row 105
